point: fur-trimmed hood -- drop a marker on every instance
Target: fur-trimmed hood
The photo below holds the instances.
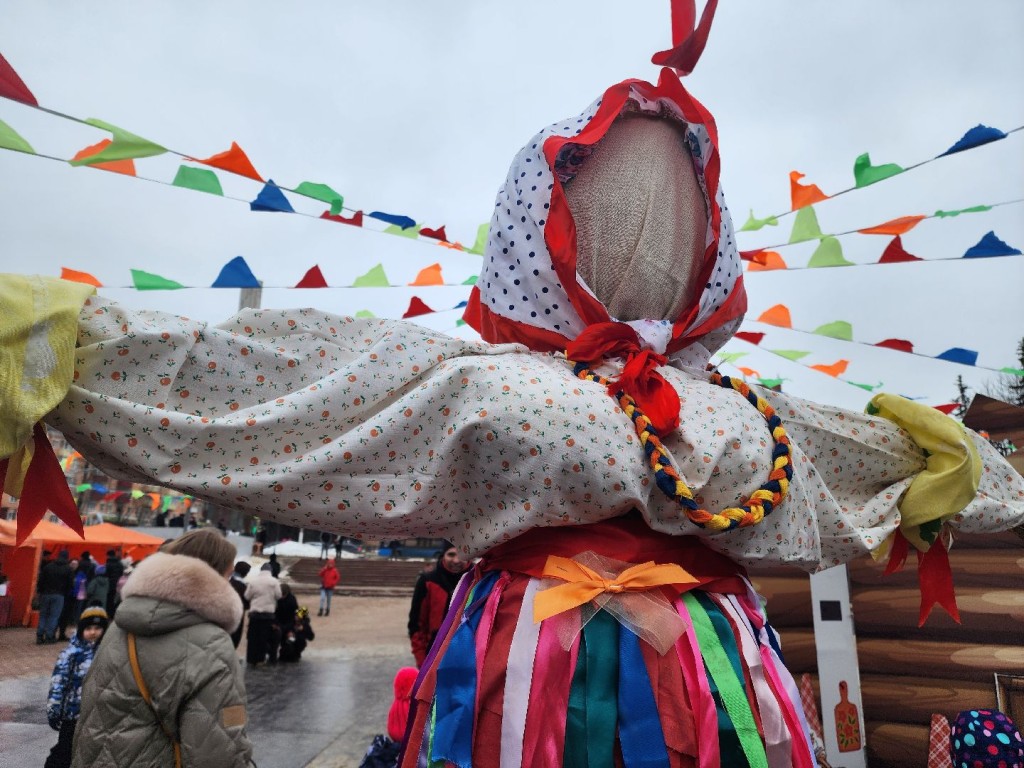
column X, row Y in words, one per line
column 168, row 592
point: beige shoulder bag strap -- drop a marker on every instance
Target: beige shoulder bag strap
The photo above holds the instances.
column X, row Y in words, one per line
column 133, row 657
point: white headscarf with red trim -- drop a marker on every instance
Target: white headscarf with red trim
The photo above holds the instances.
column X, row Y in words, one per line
column 529, row 291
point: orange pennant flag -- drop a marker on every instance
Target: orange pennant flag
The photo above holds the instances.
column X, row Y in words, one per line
column 127, row 167
column 802, row 195
column 777, row 315
column 429, row 276
column 838, row 367
column 895, row 227
column 79, row 277
column 750, row 373
column 766, row 260
column 233, row 160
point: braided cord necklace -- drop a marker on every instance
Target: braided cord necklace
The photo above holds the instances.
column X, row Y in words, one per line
column 760, row 503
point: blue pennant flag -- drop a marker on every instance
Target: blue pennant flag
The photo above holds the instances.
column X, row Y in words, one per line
column 959, row 355
column 978, row 135
column 990, row 245
column 399, row 221
column 271, row 198
column 236, row 274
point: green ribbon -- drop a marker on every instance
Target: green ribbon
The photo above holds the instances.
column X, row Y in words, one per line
column 593, row 697
column 726, row 674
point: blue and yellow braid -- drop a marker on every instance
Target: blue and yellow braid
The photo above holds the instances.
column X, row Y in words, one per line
column 761, row 502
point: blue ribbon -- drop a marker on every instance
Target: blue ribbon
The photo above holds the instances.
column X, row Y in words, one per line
column 640, row 734
column 455, row 695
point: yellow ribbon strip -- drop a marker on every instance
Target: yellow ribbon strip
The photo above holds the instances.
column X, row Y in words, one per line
column 584, row 584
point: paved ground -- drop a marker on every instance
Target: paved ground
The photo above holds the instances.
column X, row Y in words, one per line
column 321, row 713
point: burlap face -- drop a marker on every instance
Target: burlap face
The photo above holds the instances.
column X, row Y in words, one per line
column 641, row 219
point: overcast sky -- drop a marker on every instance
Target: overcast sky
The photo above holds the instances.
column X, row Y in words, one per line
column 417, row 108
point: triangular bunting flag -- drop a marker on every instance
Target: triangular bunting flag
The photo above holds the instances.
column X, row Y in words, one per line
column 375, row 278
column 752, row 338
column 429, row 276
column 124, row 146
column 805, row 226
column 10, row 139
column 972, row 209
column 895, row 253
column 868, row 387
column 236, row 274
column 777, row 315
column 748, row 372
column 959, row 355
column 900, row 345
column 975, row 137
column 829, row 253
column 865, row 174
column 323, row 193
column 1013, row 371
column 365, row 313
column 471, row 280
column 410, row 232
column 990, row 245
column 437, row 234
column 147, row 281
column 355, row 221
column 416, row 308
column 79, row 277
column 398, row 220
column 731, row 357
column 775, row 384
column 313, row 278
column 127, row 167
column 12, row 86
column 802, row 195
column 839, row 329
column 790, row 354
column 272, row 199
column 753, row 224
column 766, row 260
column 481, row 239
column 947, row 409
column 834, row 370
column 899, row 226
column 459, row 323
column 233, row 160
column 461, row 304
column 199, row 179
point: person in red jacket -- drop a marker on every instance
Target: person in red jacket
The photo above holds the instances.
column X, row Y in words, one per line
column 430, row 599
column 329, row 578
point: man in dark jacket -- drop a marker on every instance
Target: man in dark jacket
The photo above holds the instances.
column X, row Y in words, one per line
column 237, row 581
column 55, row 581
column 115, row 570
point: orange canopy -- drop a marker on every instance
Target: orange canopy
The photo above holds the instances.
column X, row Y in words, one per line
column 98, row 539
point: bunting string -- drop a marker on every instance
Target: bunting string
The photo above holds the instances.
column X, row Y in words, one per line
column 866, row 174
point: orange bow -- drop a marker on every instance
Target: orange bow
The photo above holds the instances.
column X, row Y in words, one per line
column 627, row 594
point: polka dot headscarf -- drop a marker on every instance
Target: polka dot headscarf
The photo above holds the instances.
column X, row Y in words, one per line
column 985, row 738
column 529, row 291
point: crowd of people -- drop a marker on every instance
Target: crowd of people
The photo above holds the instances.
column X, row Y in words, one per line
column 65, row 587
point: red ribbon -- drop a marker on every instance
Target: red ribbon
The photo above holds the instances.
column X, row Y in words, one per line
column 688, row 41
column 640, row 379
column 934, row 576
column 45, row 489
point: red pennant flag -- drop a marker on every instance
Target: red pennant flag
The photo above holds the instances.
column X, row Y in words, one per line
column 437, row 234
column 313, row 278
column 45, row 489
column 753, row 338
column 355, row 221
column 802, row 195
column 233, row 160
column 894, row 253
column 416, row 308
column 12, row 86
column 947, row 408
column 936, row 581
column 901, row 345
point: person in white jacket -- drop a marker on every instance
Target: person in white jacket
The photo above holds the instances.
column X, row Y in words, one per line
column 262, row 593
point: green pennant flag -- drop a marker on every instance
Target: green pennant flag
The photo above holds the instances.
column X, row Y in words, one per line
column 770, row 383
column 731, row 357
column 199, row 179
column 840, row 329
column 124, row 146
column 323, row 193
column 365, row 313
column 459, row 323
column 375, row 278
column 789, row 354
column 168, row 503
column 137, row 494
column 868, row 387
column 829, row 253
column 471, row 280
column 146, row 281
column 865, row 174
column 1013, row 371
column 481, row 239
column 83, row 488
column 972, row 209
column 411, row 232
column 805, row 226
column 752, row 224
column 10, row 139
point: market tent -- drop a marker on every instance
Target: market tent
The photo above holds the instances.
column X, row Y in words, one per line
column 21, row 564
